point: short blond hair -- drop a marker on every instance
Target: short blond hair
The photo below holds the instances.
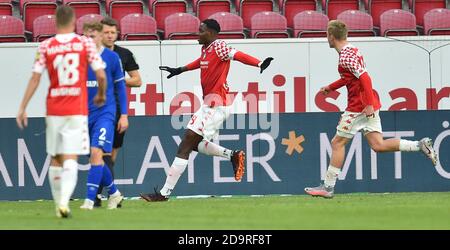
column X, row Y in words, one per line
column 97, row 26
column 338, row 29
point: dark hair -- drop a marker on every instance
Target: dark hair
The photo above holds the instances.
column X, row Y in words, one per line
column 212, row 25
column 64, row 15
column 109, row 21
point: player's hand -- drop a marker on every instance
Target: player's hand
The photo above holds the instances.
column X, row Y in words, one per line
column 325, row 90
column 122, row 124
column 99, row 100
column 369, row 112
column 265, row 63
column 172, row 71
column 22, row 119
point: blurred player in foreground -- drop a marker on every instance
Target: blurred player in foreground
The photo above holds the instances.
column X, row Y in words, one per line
column 66, row 57
column 362, row 113
column 101, row 120
column 214, row 64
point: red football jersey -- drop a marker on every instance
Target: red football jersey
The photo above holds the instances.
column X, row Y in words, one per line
column 214, row 66
column 66, row 58
column 351, row 67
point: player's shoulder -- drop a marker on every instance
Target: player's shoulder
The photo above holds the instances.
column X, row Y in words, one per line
column 218, row 44
column 121, row 50
column 348, row 52
column 46, row 43
column 111, row 54
column 349, row 49
column 83, row 39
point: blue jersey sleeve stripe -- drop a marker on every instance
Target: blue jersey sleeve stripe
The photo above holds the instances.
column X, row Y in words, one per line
column 120, row 79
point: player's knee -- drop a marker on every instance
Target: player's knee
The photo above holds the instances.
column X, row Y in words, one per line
column 184, row 150
column 96, row 156
column 377, row 147
column 338, row 143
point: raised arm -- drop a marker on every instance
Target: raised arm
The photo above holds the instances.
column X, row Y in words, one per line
column 176, row 71
column 250, row 60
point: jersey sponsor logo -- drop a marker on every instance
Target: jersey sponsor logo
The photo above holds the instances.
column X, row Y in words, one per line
column 74, row 91
column 204, row 64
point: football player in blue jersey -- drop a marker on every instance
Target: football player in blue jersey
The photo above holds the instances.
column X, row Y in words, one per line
column 102, row 120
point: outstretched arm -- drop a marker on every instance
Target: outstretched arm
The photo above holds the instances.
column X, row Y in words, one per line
column 337, row 84
column 333, row 86
column 176, row 71
column 250, row 60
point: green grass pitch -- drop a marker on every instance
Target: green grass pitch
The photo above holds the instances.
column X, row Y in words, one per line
column 344, row 211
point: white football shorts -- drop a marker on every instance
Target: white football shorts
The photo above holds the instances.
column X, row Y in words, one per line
column 67, row 135
column 351, row 123
column 207, row 120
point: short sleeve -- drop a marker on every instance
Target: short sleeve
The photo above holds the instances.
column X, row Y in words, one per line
column 130, row 63
column 41, row 59
column 352, row 61
column 223, row 51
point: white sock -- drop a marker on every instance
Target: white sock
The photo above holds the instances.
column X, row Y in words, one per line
column 68, row 181
column 117, row 193
column 175, row 171
column 332, row 174
column 210, row 148
column 54, row 177
column 409, row 146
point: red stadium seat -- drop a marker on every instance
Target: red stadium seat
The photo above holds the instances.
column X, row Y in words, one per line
column 248, row 8
column 83, row 7
column 6, row 7
column 358, row 23
column 334, row 7
column 205, row 8
column 231, row 25
column 377, row 7
column 163, row 8
column 290, row 8
column 437, row 22
column 120, row 8
column 11, row 29
column 420, row 7
column 87, row 19
column 181, row 26
column 138, row 27
column 398, row 23
column 44, row 27
column 310, row 24
column 31, row 9
column 268, row 24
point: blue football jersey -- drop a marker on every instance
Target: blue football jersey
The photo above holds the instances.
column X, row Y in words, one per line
column 114, row 75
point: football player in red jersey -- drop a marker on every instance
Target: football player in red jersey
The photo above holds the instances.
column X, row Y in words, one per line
column 214, row 64
column 66, row 58
column 361, row 114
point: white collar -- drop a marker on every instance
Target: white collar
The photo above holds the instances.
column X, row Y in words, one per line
column 64, row 38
